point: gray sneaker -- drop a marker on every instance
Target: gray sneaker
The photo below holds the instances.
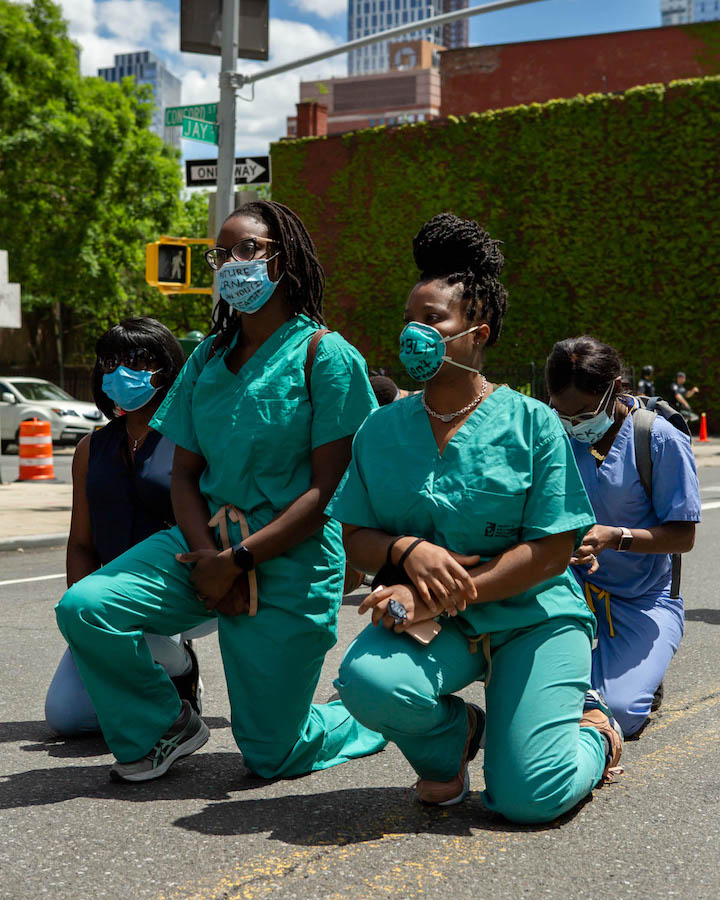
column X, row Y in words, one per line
column 187, row 734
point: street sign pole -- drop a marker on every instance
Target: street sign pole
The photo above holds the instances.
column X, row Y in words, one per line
column 226, row 118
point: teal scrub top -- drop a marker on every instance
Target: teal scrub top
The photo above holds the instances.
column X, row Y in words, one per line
column 257, row 430
column 507, row 476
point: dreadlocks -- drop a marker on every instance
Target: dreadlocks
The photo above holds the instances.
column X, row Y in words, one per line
column 304, row 274
column 462, row 252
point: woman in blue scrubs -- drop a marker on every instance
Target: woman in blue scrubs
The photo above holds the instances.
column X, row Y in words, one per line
column 260, row 449
column 468, row 498
column 624, row 565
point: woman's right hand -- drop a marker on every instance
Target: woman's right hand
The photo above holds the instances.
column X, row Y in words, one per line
column 378, row 601
column 441, row 577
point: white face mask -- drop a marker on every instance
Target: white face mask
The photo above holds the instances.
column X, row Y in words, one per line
column 596, row 426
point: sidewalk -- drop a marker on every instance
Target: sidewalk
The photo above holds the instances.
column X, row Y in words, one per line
column 38, row 513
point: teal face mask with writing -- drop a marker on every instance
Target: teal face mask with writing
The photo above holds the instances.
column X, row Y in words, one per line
column 422, row 350
column 246, row 286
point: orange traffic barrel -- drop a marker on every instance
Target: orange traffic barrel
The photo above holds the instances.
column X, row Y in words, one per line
column 35, row 451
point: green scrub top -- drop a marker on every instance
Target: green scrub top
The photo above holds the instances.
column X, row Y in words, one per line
column 257, row 430
column 508, row 475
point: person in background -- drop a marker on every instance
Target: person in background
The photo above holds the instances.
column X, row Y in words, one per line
column 262, row 441
column 121, row 495
column 680, row 396
column 646, row 385
column 386, row 391
column 623, row 565
column 467, row 497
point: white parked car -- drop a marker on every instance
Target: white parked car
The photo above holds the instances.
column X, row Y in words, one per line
column 24, row 398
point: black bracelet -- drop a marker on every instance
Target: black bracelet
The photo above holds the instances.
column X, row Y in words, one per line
column 388, row 557
column 409, row 551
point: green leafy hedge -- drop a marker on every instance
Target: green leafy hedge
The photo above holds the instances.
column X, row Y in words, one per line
column 608, row 206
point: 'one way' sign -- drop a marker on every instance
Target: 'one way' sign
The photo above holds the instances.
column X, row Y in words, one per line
column 248, row 170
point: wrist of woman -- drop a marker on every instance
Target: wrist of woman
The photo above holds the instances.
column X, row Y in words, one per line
column 398, row 547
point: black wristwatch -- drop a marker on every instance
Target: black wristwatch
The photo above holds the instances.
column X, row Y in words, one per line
column 243, row 557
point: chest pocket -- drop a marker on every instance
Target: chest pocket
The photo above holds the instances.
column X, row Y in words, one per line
column 484, row 522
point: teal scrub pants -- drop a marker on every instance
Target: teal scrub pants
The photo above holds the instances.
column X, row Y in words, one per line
column 272, row 663
column 538, row 761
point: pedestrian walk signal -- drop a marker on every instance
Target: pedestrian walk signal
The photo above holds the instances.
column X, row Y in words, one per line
column 167, row 265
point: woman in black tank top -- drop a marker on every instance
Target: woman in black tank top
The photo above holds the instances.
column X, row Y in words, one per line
column 121, row 495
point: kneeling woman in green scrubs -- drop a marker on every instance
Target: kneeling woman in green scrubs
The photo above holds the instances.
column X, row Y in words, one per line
column 263, row 440
column 471, row 493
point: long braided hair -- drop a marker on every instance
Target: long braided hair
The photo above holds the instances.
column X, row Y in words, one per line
column 303, row 272
column 460, row 251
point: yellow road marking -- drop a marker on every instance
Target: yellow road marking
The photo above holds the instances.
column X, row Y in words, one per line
column 262, row 876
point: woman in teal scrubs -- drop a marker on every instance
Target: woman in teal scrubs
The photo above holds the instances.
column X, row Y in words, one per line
column 260, row 451
column 470, row 492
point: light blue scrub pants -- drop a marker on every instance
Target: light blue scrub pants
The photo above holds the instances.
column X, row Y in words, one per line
column 272, row 660
column 538, row 761
column 68, row 708
column 628, row 668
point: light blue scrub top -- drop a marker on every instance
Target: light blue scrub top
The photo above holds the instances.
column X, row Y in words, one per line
column 257, row 430
column 618, row 498
column 507, row 476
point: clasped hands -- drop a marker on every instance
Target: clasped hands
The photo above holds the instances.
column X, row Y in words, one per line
column 218, row 582
column 440, row 584
column 599, row 538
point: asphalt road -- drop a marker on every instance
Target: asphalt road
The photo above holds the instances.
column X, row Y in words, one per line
column 208, row 830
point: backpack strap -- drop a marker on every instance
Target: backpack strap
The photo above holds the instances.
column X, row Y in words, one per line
column 643, row 420
column 312, row 350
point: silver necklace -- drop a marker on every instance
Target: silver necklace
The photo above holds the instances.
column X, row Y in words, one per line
column 448, row 417
column 137, row 441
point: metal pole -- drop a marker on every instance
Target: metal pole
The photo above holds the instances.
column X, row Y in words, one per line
column 224, row 201
column 240, row 80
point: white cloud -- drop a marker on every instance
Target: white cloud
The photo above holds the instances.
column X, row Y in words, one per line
column 326, row 9
column 103, row 29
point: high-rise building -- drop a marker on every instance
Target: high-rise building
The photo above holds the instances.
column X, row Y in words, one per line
column 456, row 34
column 148, row 69
column 706, row 10
column 676, row 12
column 367, row 17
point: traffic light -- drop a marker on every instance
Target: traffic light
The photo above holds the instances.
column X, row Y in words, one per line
column 167, row 265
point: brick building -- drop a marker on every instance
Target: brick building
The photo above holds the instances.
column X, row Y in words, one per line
column 409, row 92
column 474, row 79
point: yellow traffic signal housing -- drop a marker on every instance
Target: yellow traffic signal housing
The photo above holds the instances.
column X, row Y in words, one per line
column 167, row 265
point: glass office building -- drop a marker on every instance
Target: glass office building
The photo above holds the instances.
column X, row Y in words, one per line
column 146, row 68
column 367, row 17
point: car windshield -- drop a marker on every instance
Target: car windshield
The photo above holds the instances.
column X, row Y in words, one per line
column 40, row 390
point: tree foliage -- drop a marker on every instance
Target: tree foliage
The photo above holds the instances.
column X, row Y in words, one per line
column 84, row 184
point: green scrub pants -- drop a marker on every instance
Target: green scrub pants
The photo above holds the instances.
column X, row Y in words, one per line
column 538, row 761
column 272, row 662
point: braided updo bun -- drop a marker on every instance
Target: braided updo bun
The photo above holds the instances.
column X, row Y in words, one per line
column 461, row 252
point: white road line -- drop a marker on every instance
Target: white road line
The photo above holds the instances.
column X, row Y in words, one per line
column 714, row 504
column 43, row 578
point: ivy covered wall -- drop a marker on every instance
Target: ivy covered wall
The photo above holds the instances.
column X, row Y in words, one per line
column 608, row 206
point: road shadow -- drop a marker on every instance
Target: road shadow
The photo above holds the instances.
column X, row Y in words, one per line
column 351, row 816
column 346, row 816
column 710, row 616
column 78, row 746
column 204, row 776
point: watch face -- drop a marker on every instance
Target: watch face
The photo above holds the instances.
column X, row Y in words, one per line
column 243, row 558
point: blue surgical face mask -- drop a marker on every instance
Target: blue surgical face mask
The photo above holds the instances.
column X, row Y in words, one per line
column 591, row 430
column 129, row 389
column 422, row 350
column 246, row 286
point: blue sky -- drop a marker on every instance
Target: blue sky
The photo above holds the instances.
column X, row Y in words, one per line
column 299, row 28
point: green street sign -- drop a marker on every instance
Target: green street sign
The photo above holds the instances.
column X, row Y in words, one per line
column 206, row 112
column 197, row 130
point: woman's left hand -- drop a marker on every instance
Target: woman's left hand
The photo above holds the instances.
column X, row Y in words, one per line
column 213, row 575
column 599, row 538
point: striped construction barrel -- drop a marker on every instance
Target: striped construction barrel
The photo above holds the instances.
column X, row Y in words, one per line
column 35, row 451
